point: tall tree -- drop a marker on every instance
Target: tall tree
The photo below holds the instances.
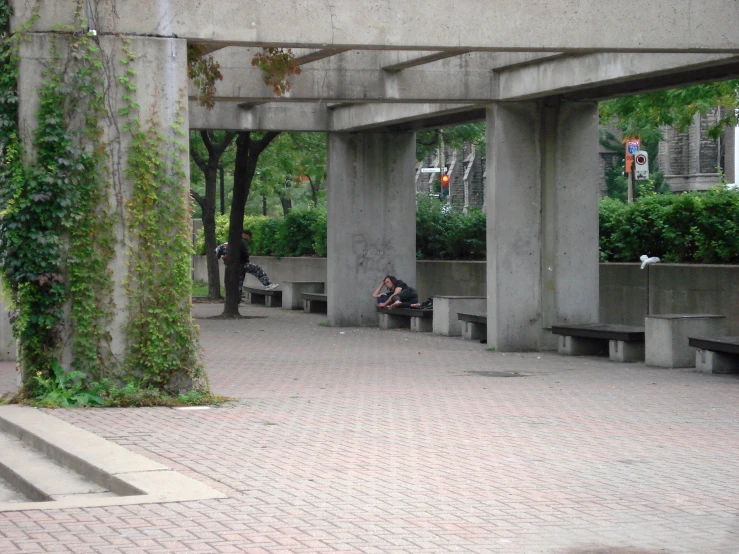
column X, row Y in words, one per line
column 248, row 150
column 646, row 114
column 215, row 145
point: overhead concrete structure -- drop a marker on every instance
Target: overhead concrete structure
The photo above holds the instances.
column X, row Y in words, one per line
column 374, row 72
column 503, row 25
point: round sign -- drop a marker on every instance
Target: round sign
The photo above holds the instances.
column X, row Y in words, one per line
column 640, row 159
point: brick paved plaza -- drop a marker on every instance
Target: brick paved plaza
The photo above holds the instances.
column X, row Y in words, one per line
column 360, row 440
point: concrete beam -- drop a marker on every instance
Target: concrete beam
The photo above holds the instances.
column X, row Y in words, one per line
column 309, row 116
column 503, row 25
column 358, row 77
column 582, row 73
column 268, row 117
column 415, row 61
column 391, row 116
column 478, row 78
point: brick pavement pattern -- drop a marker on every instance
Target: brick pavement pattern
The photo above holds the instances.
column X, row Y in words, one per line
column 368, row 441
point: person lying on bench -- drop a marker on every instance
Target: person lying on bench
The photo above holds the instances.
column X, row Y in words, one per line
column 398, row 295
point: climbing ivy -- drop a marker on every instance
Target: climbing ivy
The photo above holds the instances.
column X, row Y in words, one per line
column 56, row 225
column 162, row 339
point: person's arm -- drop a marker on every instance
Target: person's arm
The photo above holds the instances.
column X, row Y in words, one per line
column 378, row 290
column 390, row 298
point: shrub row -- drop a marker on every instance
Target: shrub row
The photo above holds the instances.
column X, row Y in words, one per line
column 301, row 233
column 696, row 227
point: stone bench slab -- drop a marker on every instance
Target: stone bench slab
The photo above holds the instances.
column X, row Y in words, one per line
column 716, row 354
column 420, row 321
column 314, row 302
column 270, row 298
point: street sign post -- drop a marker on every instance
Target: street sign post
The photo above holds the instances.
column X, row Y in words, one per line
column 633, row 145
column 641, row 165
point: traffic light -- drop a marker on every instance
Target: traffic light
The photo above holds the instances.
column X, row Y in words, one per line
column 445, row 181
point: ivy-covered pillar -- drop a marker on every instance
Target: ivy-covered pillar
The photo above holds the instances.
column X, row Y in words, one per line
column 371, row 220
column 103, row 126
column 541, row 199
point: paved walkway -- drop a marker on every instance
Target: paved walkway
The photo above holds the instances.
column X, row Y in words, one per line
column 360, row 440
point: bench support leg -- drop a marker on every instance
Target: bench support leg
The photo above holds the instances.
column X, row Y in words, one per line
column 474, row 331
column 622, row 351
column 422, row 324
column 314, row 306
column 389, row 321
column 708, row 361
column 578, row 346
column 272, row 301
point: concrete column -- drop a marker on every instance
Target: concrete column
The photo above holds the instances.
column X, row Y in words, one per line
column 371, row 220
column 542, row 208
column 161, row 85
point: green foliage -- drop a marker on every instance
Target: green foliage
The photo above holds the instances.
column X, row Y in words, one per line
column 427, row 142
column 442, row 234
column 68, row 390
column 294, row 234
column 644, row 114
column 695, row 227
column 64, row 389
column 203, row 71
column 277, row 65
column 301, row 233
column 55, row 238
column 162, row 338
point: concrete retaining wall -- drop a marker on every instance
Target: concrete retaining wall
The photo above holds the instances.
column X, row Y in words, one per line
column 673, row 288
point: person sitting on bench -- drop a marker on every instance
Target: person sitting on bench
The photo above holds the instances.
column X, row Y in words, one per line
column 398, row 295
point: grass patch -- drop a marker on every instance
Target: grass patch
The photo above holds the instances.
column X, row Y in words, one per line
column 200, row 288
column 490, row 349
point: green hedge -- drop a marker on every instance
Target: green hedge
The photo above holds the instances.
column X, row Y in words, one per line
column 301, row 233
column 695, row 227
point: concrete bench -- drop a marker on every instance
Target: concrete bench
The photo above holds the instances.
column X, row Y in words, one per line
column 419, row 320
column 292, row 292
column 667, row 337
column 474, row 326
column 623, row 343
column 269, row 298
column 716, row 354
column 314, row 302
column 447, row 308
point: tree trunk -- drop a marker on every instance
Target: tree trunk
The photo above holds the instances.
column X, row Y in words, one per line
column 287, row 204
column 264, row 205
column 208, row 205
column 247, row 156
column 314, row 188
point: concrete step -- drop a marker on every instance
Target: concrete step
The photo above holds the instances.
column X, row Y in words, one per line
column 9, row 494
column 38, row 477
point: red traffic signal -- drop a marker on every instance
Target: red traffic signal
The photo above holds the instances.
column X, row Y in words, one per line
column 445, row 181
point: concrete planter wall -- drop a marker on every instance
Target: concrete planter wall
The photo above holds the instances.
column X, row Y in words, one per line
column 673, row 288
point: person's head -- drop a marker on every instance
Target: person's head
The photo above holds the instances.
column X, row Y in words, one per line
column 246, row 234
column 390, row 281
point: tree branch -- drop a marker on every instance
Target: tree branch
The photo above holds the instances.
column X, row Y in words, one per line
column 199, row 199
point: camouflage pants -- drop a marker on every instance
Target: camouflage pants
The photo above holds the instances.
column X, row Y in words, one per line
column 252, row 269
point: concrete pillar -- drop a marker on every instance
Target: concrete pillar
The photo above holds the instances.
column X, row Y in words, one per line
column 542, row 214
column 161, row 82
column 371, row 220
